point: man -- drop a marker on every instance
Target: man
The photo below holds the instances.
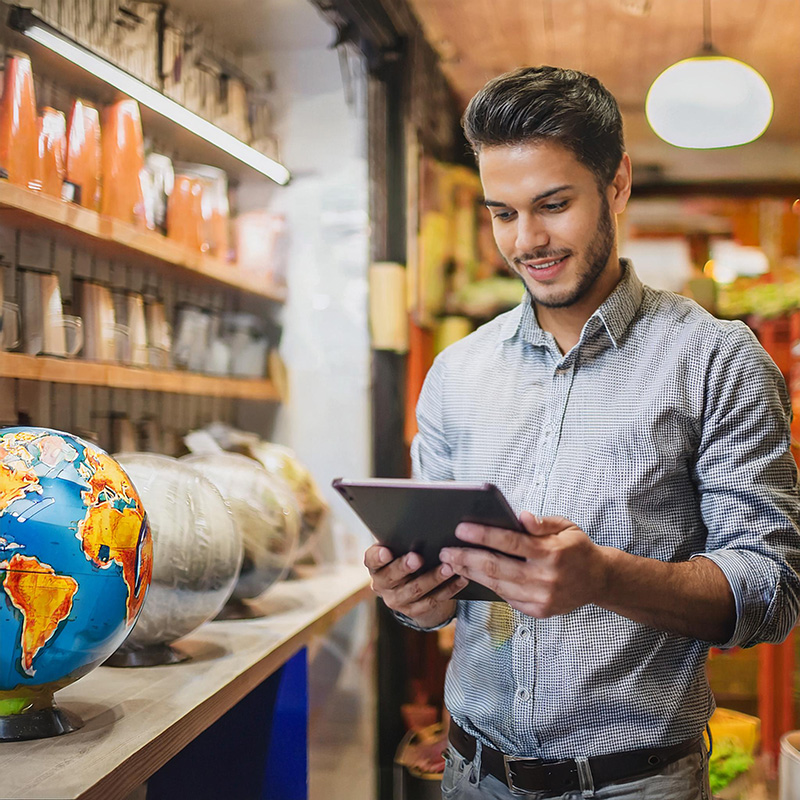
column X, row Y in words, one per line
column 645, row 445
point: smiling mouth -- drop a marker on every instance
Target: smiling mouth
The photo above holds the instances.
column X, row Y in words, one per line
column 542, row 265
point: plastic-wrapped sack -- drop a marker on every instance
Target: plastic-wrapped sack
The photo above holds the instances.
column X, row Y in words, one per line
column 282, row 462
column 197, row 556
column 265, row 512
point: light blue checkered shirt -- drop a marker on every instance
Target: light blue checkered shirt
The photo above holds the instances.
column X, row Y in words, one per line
column 664, row 432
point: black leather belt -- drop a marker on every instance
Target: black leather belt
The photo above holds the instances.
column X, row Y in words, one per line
column 535, row 775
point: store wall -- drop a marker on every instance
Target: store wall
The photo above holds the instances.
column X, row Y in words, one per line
column 319, row 118
column 320, row 121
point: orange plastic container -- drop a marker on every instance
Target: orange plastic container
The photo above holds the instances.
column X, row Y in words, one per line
column 83, row 153
column 123, row 162
column 19, row 123
column 52, row 150
column 185, row 222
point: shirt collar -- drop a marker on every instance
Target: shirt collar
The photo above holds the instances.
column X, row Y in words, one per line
column 622, row 305
column 615, row 314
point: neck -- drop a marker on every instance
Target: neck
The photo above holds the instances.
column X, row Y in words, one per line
column 566, row 323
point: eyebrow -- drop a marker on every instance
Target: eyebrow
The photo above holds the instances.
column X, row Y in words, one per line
column 496, row 204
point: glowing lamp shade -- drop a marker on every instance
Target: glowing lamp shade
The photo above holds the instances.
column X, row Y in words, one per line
column 708, row 102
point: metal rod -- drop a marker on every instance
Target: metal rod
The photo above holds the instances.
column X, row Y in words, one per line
column 707, row 25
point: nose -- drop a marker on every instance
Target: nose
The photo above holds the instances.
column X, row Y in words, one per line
column 531, row 232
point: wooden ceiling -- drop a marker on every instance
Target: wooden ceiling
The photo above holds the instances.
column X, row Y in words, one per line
column 627, row 43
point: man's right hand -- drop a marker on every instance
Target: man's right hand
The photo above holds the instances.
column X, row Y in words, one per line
column 427, row 599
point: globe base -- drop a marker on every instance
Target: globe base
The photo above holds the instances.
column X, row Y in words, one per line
column 39, row 724
column 151, row 656
column 239, row 609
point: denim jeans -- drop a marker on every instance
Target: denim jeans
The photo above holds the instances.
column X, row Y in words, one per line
column 685, row 779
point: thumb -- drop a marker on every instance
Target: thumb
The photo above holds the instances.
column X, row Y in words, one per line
column 543, row 526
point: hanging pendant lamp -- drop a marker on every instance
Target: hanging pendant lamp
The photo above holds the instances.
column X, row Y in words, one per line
column 709, row 101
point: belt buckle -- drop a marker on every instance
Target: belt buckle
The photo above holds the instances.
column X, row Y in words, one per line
column 507, row 762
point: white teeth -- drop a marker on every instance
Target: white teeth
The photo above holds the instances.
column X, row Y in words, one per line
column 547, row 265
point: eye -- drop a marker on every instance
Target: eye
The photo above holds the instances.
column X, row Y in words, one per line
column 503, row 216
column 554, row 208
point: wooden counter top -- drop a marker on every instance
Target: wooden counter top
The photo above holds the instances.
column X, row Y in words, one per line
column 137, row 719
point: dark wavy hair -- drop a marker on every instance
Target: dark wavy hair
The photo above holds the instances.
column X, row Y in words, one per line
column 532, row 104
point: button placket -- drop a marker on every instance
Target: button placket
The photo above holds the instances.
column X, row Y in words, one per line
column 558, row 395
column 523, row 655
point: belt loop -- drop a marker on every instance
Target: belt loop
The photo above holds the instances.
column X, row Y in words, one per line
column 585, row 780
column 476, row 775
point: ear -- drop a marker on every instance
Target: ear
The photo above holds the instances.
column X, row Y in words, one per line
column 619, row 189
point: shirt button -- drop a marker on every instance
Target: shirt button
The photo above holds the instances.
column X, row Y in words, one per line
column 524, row 633
column 523, row 695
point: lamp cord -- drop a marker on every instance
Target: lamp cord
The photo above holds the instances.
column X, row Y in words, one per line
column 707, row 46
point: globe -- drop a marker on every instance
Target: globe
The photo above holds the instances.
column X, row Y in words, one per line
column 75, row 565
column 197, row 557
column 267, row 516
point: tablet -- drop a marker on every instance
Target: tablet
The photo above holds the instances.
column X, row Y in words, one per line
column 406, row 515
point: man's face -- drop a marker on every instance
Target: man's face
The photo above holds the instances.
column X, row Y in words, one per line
column 551, row 223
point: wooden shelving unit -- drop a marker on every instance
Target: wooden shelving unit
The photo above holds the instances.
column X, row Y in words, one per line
column 88, row 373
column 30, row 210
column 137, row 719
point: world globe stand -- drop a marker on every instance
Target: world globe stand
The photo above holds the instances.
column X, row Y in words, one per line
column 149, row 656
column 34, row 715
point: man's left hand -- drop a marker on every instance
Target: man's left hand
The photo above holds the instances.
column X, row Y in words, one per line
column 554, row 570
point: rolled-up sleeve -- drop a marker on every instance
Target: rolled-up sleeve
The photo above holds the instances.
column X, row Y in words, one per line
column 747, row 483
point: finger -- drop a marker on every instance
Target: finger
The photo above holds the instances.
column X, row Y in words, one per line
column 512, row 543
column 396, row 572
column 412, row 590
column 483, row 566
column 441, row 594
column 544, row 526
column 377, row 557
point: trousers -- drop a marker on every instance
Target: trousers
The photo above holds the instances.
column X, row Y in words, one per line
column 685, row 779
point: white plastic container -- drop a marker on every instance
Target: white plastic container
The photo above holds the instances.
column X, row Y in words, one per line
column 789, row 784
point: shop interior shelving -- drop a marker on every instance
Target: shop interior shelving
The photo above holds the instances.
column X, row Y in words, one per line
column 31, row 210
column 137, row 719
column 82, row 83
column 88, row 373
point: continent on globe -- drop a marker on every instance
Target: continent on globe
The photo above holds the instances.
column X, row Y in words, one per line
column 107, row 481
column 44, row 599
column 14, row 483
column 112, row 535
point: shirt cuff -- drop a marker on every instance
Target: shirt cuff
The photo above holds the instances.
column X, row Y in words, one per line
column 753, row 591
column 410, row 623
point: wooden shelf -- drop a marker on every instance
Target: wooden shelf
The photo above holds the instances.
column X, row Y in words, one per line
column 88, row 373
column 24, row 208
column 137, row 719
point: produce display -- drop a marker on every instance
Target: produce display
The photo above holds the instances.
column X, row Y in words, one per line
column 197, row 556
column 728, row 760
column 735, row 739
column 748, row 296
column 76, row 558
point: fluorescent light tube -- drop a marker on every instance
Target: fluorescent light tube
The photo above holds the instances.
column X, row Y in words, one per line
column 25, row 21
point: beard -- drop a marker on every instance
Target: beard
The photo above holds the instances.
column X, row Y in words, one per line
column 598, row 252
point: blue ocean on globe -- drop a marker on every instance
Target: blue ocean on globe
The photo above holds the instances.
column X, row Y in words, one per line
column 75, row 557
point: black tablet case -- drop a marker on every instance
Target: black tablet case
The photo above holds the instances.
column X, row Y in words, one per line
column 407, row 515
